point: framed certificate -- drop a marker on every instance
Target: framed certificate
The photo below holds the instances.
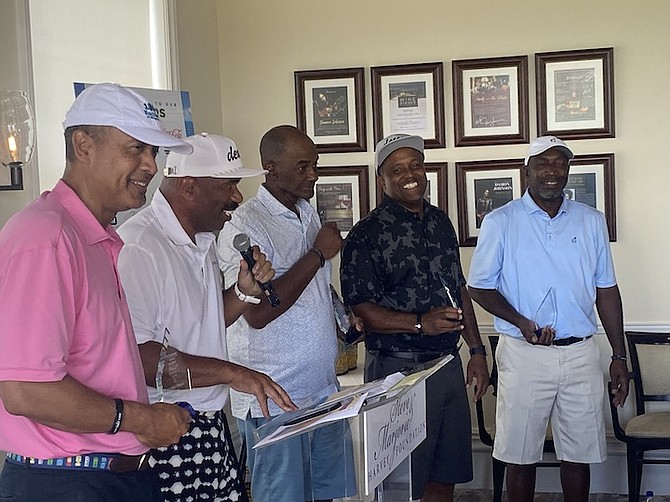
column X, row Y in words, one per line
column 490, row 101
column 341, row 194
column 330, row 109
column 575, row 93
column 481, row 187
column 409, row 99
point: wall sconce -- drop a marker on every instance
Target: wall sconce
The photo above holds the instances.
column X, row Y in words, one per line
column 17, row 135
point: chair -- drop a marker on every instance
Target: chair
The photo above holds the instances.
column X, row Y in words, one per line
column 648, row 429
column 486, row 437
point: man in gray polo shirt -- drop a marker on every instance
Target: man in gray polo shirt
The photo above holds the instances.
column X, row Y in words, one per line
column 294, row 343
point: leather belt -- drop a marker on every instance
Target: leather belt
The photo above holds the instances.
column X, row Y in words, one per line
column 414, row 356
column 115, row 462
column 563, row 342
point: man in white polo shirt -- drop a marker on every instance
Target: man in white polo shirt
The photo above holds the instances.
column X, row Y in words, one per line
column 541, row 264
column 170, row 272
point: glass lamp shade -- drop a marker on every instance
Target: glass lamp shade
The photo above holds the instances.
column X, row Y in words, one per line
column 17, row 128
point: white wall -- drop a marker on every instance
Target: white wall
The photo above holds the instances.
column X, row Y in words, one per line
column 82, row 41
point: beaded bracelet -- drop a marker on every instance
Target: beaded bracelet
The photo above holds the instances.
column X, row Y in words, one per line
column 617, row 357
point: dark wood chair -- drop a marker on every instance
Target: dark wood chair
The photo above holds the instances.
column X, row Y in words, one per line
column 487, row 438
column 649, row 429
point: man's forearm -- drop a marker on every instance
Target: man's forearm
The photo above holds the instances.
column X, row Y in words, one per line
column 288, row 287
column 65, row 405
column 610, row 310
column 493, row 302
column 470, row 331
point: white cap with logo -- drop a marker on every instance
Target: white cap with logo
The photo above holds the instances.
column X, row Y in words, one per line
column 544, row 143
column 394, row 142
column 213, row 157
column 127, row 110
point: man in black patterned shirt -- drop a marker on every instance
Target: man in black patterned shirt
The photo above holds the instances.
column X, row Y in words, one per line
column 401, row 273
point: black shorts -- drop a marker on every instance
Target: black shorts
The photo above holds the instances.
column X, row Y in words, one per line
column 446, row 454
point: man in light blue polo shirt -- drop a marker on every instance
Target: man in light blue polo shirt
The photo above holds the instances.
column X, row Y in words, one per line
column 541, row 264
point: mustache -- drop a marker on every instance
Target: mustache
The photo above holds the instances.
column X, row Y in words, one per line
column 231, row 206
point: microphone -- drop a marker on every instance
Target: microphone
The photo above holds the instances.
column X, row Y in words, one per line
column 242, row 244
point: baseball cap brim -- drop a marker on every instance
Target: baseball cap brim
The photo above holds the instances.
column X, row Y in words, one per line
column 157, row 138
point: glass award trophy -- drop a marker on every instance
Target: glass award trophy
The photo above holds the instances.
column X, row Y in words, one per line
column 546, row 313
column 171, row 372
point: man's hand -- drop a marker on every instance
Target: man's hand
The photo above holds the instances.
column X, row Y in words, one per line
column 619, row 376
column 328, row 240
column 528, row 330
column 262, row 386
column 439, row 320
column 156, row 425
column 478, row 370
column 247, row 280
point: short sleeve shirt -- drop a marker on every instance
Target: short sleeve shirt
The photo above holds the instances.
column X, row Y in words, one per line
column 547, row 268
column 174, row 290
column 64, row 313
column 297, row 349
column 403, row 262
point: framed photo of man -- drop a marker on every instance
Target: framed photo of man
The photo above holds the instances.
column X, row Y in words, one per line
column 481, row 187
column 330, row 108
column 436, row 188
column 575, row 93
column 591, row 181
column 342, row 195
column 409, row 99
column 490, row 101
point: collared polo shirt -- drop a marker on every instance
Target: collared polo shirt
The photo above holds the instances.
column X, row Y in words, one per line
column 64, row 313
column 523, row 253
column 298, row 349
column 402, row 262
column 174, row 290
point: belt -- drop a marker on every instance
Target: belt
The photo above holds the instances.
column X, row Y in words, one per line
column 563, row 342
column 115, row 462
column 415, row 356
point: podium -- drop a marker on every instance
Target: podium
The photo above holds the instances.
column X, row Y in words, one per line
column 380, row 423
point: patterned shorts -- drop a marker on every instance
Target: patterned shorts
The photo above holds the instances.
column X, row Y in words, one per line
column 203, row 465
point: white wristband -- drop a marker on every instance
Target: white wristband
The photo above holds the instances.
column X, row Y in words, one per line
column 245, row 298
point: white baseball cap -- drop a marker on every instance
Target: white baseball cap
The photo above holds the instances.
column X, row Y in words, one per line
column 544, row 143
column 213, row 157
column 123, row 108
column 394, row 142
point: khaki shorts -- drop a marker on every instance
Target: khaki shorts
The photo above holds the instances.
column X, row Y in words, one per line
column 538, row 383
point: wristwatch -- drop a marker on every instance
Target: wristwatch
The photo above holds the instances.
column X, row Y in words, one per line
column 418, row 324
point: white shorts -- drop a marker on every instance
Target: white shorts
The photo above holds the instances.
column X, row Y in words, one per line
column 537, row 383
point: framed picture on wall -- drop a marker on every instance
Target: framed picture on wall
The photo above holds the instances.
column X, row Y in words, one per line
column 436, row 189
column 490, row 101
column 481, row 187
column 330, row 109
column 575, row 93
column 342, row 195
column 591, row 181
column 409, row 99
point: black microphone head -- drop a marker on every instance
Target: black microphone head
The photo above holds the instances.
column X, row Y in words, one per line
column 241, row 242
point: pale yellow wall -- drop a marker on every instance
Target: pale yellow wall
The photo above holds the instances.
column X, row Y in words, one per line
column 199, row 71
column 262, row 42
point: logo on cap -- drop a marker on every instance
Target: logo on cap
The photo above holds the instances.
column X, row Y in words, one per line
column 150, row 111
column 233, row 154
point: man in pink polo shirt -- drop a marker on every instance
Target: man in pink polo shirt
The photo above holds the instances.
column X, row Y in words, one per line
column 75, row 418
